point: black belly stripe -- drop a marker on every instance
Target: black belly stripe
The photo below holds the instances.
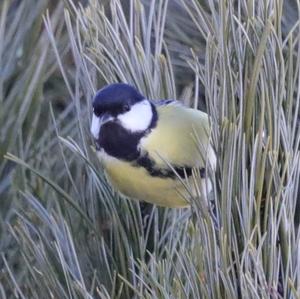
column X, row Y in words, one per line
column 147, row 163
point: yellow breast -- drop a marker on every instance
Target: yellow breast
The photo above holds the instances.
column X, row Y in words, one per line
column 136, row 183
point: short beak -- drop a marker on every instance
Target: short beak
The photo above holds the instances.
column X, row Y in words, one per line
column 97, row 122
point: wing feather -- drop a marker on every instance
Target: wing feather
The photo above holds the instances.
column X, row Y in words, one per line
column 174, row 138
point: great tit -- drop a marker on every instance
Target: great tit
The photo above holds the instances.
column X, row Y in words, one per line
column 148, row 148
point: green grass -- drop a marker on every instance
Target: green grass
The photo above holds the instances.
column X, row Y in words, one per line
column 65, row 233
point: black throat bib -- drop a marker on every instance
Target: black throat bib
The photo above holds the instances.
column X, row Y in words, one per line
column 121, row 143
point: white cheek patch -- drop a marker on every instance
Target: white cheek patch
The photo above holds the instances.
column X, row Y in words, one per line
column 138, row 118
column 95, row 126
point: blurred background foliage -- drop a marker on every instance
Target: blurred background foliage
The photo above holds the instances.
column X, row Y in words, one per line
column 64, row 233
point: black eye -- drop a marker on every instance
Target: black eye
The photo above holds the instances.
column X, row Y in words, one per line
column 125, row 108
column 97, row 112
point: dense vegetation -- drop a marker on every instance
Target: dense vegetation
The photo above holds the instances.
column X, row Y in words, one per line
column 65, row 233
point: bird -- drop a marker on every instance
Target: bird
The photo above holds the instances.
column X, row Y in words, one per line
column 148, row 148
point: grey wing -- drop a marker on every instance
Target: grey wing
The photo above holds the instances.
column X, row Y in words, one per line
column 166, row 102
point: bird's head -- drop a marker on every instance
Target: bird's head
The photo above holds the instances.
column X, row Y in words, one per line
column 124, row 105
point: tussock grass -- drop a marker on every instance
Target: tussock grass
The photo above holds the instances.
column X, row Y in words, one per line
column 66, row 234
